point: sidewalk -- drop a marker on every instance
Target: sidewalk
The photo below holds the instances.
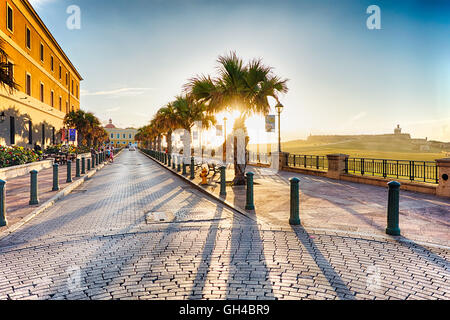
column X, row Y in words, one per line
column 337, row 205
column 18, row 192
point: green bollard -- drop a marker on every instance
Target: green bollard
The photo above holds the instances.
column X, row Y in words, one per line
column 295, row 202
column 33, row 188
column 249, row 203
column 69, row 171
column 96, row 159
column 173, row 162
column 3, row 221
column 77, row 168
column 184, row 169
column 169, row 160
column 93, row 161
column 192, row 169
column 393, row 209
column 55, row 177
column 223, row 181
column 178, row 164
column 88, row 164
column 83, row 165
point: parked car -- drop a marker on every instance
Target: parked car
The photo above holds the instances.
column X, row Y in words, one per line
column 132, row 148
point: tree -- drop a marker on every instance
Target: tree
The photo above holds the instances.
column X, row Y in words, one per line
column 88, row 127
column 241, row 87
column 6, row 75
column 169, row 120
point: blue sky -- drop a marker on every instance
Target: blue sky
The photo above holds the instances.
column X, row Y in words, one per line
column 136, row 55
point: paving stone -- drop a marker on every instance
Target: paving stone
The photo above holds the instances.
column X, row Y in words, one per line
column 97, row 245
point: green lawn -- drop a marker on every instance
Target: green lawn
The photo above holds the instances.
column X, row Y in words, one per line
column 365, row 149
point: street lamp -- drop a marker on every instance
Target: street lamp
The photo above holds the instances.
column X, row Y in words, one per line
column 279, row 107
column 225, row 141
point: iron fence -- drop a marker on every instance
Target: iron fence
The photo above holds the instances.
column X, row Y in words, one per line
column 255, row 157
column 307, row 161
column 423, row 171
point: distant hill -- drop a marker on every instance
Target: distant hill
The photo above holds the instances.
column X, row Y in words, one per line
column 388, row 146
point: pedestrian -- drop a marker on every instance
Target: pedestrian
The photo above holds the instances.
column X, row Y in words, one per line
column 111, row 156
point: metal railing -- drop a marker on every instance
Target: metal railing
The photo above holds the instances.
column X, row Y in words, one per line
column 255, row 157
column 307, row 161
column 422, row 171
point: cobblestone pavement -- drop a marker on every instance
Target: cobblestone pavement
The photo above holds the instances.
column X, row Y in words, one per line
column 339, row 205
column 100, row 243
column 18, row 192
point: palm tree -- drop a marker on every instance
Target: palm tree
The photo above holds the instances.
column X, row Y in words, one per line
column 6, row 76
column 87, row 125
column 167, row 119
column 241, row 87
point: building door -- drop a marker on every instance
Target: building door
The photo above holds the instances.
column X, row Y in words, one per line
column 43, row 136
column 12, row 131
column 30, row 132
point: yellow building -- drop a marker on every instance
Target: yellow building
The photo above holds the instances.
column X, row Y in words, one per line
column 49, row 84
column 120, row 137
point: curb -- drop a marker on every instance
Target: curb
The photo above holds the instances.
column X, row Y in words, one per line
column 360, row 235
column 221, row 200
column 50, row 202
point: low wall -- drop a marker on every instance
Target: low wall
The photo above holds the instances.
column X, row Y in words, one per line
column 375, row 181
column 381, row 182
column 24, row 169
column 261, row 165
column 312, row 172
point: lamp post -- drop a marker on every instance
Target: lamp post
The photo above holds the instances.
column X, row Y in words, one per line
column 279, row 107
column 225, row 140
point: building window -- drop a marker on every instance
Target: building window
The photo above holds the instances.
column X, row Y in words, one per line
column 28, row 38
column 53, row 136
column 10, row 70
column 28, row 84
column 124, row 136
column 60, row 75
column 73, row 108
column 12, row 130
column 129, row 136
column 77, row 94
column 42, row 52
column 9, row 18
column 52, row 101
column 43, row 136
column 72, row 87
column 41, row 96
column 51, row 63
column 30, row 132
column 118, row 136
column 112, row 135
column 60, row 103
column 67, row 79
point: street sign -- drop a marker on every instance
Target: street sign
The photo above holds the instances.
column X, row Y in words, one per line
column 219, row 131
column 270, row 123
column 72, row 135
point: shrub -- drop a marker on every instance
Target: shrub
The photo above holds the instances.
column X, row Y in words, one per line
column 14, row 156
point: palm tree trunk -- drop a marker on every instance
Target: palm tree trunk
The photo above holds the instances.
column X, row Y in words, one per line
column 239, row 169
column 169, row 141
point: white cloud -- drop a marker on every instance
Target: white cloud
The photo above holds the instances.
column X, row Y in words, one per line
column 122, row 92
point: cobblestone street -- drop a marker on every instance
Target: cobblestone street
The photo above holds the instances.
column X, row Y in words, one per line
column 136, row 231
